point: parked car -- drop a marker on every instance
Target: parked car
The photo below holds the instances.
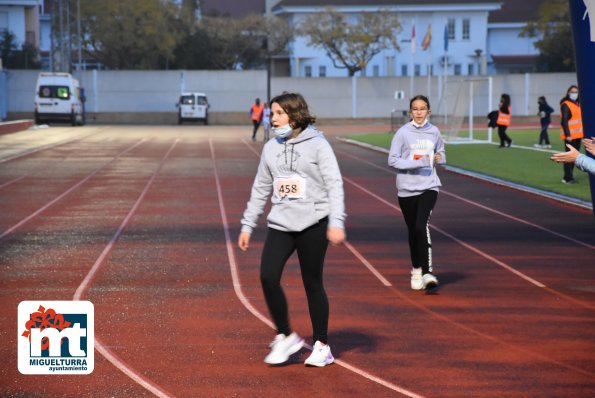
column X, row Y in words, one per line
column 193, row 106
column 59, row 97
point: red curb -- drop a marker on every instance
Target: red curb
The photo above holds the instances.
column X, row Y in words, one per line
column 15, row 126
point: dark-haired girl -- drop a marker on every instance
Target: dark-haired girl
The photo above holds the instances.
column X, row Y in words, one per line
column 503, row 121
column 415, row 150
column 299, row 168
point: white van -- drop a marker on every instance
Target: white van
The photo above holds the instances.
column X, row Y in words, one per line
column 59, row 97
column 193, row 106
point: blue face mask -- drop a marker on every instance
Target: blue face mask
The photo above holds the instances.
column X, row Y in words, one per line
column 283, row 131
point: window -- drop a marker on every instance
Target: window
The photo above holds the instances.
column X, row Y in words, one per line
column 417, row 70
column 457, row 69
column 451, row 29
column 470, row 69
column 322, row 71
column 466, row 29
column 187, row 99
column 430, row 70
column 375, row 71
column 308, row 71
column 404, row 70
column 61, row 92
column 390, row 66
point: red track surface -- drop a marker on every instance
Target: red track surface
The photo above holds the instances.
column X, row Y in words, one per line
column 143, row 223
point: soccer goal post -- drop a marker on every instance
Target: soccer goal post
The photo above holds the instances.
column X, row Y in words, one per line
column 466, row 100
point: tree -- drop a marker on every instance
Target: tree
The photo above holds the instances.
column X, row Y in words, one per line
column 221, row 42
column 27, row 57
column 352, row 45
column 131, row 34
column 556, row 52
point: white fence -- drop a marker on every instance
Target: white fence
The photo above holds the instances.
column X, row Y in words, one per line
column 113, row 92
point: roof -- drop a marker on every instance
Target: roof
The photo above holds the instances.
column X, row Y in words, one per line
column 232, row 8
column 326, row 3
column 516, row 11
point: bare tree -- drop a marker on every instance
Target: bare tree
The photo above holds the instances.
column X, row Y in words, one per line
column 352, row 45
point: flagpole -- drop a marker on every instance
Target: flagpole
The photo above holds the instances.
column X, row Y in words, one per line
column 445, row 70
column 412, row 58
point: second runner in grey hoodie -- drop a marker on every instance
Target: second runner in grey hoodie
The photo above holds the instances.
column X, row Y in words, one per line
column 411, row 153
column 305, row 181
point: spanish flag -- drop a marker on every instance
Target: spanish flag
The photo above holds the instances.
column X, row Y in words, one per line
column 425, row 44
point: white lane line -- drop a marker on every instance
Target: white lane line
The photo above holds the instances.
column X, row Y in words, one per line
column 365, row 262
column 48, row 146
column 82, row 289
column 74, row 187
column 11, row 181
column 509, row 216
column 255, row 312
column 466, row 245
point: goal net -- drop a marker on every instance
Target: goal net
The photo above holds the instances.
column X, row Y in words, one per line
column 464, row 105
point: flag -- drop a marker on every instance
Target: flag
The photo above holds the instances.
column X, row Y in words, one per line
column 446, row 37
column 425, row 44
column 413, row 38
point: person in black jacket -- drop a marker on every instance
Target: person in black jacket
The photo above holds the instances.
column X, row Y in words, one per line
column 545, row 119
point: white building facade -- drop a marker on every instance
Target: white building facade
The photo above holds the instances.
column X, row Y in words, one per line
column 472, row 37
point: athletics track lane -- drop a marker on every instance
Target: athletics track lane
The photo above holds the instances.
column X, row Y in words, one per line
column 469, row 337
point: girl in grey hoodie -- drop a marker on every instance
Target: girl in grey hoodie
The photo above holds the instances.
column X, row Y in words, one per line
column 415, row 150
column 299, row 168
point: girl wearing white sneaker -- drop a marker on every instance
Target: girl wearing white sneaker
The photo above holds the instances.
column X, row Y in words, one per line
column 300, row 170
column 415, row 150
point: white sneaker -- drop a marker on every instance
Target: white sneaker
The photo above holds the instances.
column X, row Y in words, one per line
column 537, row 146
column 321, row 355
column 282, row 347
column 429, row 281
column 416, row 279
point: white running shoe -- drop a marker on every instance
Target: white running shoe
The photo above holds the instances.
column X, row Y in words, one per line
column 416, row 279
column 429, row 281
column 282, row 347
column 321, row 355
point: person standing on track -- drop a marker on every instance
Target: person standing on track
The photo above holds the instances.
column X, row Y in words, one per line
column 571, row 127
column 301, row 171
column 415, row 150
column 504, row 121
column 256, row 111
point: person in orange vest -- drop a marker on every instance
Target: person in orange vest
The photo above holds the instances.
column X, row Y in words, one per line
column 504, row 121
column 256, row 115
column 571, row 127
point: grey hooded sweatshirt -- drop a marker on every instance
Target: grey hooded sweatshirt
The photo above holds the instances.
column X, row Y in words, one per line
column 411, row 153
column 309, row 159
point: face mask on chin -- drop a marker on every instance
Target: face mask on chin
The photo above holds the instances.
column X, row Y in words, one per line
column 283, row 131
column 573, row 96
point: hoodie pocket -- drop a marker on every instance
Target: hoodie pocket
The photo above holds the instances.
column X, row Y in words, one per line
column 292, row 215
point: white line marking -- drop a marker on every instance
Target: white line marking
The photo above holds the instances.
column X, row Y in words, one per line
column 82, row 289
column 254, row 311
column 11, row 181
column 468, row 246
column 74, row 187
column 476, row 203
column 367, row 264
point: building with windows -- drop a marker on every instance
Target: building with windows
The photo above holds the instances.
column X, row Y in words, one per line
column 464, row 37
column 21, row 18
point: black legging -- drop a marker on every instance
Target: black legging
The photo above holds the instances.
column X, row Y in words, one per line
column 544, row 139
column 569, row 167
column 417, row 211
column 504, row 138
column 311, row 245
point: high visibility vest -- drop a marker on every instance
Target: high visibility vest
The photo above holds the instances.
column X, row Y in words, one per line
column 575, row 123
column 503, row 118
column 257, row 111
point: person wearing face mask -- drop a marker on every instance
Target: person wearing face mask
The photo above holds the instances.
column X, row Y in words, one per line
column 298, row 170
column 571, row 128
column 415, row 150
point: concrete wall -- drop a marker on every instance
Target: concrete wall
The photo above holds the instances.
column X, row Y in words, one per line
column 150, row 96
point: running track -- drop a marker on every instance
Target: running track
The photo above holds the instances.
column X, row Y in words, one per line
column 143, row 221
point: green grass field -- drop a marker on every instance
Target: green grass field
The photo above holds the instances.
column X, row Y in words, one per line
column 521, row 165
